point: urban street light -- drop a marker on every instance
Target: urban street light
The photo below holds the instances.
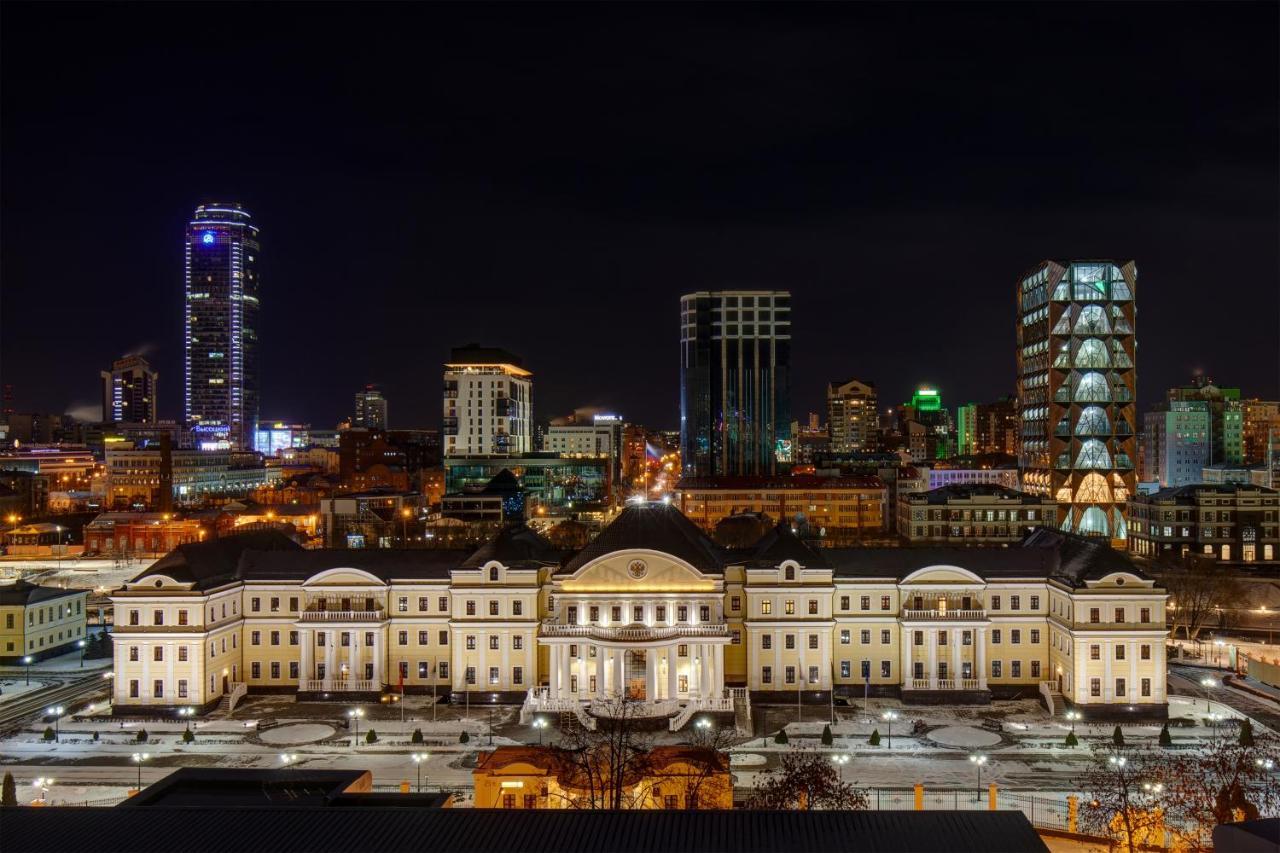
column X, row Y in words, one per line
column 1117, row 761
column 1264, row 763
column 1208, row 684
column 354, row 715
column 420, row 758
column 110, row 676
column 138, row 758
column 42, row 786
column 187, row 713
column 1073, row 716
column 287, row 758
column 27, row 660
column 539, row 723
column 889, row 717
column 840, row 760
column 80, row 643
column 57, row 711
column 978, row 760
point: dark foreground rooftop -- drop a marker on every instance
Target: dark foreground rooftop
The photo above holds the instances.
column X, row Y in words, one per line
column 159, row 829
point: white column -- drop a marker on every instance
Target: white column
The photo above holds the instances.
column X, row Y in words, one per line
column 1134, row 687
column 505, row 674
column 330, row 654
column 704, row 672
column 353, row 654
column 651, row 675
column 305, row 641
column 980, row 649
column 955, row 656
column 906, row 638
column 931, row 638
column 619, row 682
column 673, row 685
column 1108, row 688
column 718, row 656
column 378, row 677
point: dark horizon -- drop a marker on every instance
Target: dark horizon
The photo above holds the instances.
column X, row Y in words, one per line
column 550, row 179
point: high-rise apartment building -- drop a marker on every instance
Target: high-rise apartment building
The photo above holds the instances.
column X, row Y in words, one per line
column 129, row 391
column 488, row 409
column 1226, row 420
column 1076, row 390
column 220, row 396
column 735, row 381
column 852, row 418
column 1177, row 439
column 1260, row 431
column 996, row 427
column 371, row 409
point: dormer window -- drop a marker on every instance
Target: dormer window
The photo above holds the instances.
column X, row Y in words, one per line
column 493, row 574
column 790, row 573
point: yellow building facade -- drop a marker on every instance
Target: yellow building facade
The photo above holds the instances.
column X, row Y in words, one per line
column 39, row 622
column 651, row 610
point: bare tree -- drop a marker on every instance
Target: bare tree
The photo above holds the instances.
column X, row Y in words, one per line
column 604, row 765
column 1126, row 791
column 708, row 772
column 1226, row 782
column 806, row 781
column 1198, row 587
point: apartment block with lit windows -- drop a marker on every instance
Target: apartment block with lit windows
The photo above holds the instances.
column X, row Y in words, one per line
column 651, row 610
column 1232, row 522
column 832, row 508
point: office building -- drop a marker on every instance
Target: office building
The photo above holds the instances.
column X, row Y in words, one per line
column 1076, row 381
column 927, row 426
column 735, row 381
column 852, row 417
column 488, row 406
column 220, row 401
column 987, row 428
column 833, row 510
column 1177, row 443
column 596, row 436
column 1260, row 428
column 1225, row 417
column 129, row 391
column 39, row 621
column 972, row 515
column 371, row 409
column 651, row 608
column 1234, row 522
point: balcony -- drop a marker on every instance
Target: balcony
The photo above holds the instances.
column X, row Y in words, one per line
column 948, row 615
column 377, row 615
column 334, row 685
column 946, row 684
column 633, row 633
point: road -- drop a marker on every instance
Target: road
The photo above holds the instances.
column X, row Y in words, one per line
column 1186, row 680
column 14, row 713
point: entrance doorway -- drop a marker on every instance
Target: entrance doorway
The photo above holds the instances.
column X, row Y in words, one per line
column 636, row 675
column 226, row 685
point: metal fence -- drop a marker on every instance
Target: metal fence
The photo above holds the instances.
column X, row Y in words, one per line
column 1047, row 812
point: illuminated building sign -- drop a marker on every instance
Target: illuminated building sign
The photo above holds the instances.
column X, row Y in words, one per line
column 207, row 239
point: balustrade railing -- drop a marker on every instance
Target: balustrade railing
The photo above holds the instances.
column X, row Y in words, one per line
column 334, row 685
column 377, row 615
column 633, row 632
column 947, row 615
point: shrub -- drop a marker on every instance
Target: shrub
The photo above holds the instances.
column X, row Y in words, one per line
column 1246, row 732
column 464, row 737
column 874, row 740
column 95, row 737
column 1072, row 740
column 9, row 793
column 188, row 736
column 780, row 737
column 827, row 740
column 1117, row 737
column 1166, row 739
column 417, row 736
column 48, row 733
column 141, row 737
column 371, row 736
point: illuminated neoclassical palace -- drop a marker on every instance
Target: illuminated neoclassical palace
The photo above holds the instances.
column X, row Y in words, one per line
column 653, row 610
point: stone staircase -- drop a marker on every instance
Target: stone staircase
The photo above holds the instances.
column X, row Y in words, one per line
column 1053, row 700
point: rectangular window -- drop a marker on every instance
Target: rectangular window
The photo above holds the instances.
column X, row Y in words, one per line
column 1015, row 669
column 182, row 688
column 918, row 638
column 517, row 642
column 424, row 669
column 133, row 653
column 275, row 638
column 886, row 668
column 885, row 637
column 1095, row 615
column 1035, row 602
column 766, row 675
column 1144, row 614
column 995, row 602
column 846, row 669
column 790, row 675
column 517, row 675
column 293, row 638
column 275, row 604
column 494, row 642
column 255, row 604
column 615, row 614
column 275, row 669
column 157, row 618
column 471, row 642
column 470, row 675
column 471, row 608
column 1035, row 636
column 442, row 670
column 182, row 617
column 1095, row 687
column 682, row 650
column 1119, row 652
column 493, row 608
column 789, row 607
column 402, row 638
column 442, row 603
column 766, row 607
column 884, row 602
column 424, row 603
column 1144, row 652
column 1146, row 687
column 844, row 602
column 682, row 613
column 182, row 653
column 493, row 675
column 864, row 602
column 866, row 669
column 766, row 641
column 133, row 688
column 1119, row 614
column 1015, row 636
column 1095, row 652
column 813, row 607
column 662, row 613
column 157, row 689
column 1035, row 669
column 517, row 608
column 1015, row 602
column 789, row 641
column 735, row 602
column 255, row 669
column 704, row 614
column 293, row 669
column 995, row 636
column 1120, row 689
column 844, row 638
column 813, row 641
column 444, row 637
column 995, row 669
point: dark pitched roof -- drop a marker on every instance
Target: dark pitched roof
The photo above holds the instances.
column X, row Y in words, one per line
column 383, row 563
column 1187, row 494
column 208, row 564
column 656, row 526
column 900, row 562
column 1076, row 558
column 780, row 544
column 515, row 544
column 318, row 830
column 23, row 593
column 793, row 481
column 965, row 491
column 502, row 483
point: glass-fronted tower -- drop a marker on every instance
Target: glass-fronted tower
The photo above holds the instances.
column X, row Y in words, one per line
column 1077, row 384
column 735, row 381
column 221, row 341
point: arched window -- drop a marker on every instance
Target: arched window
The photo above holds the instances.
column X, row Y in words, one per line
column 1092, row 321
column 1093, row 490
column 493, row 573
column 1092, row 353
column 791, row 573
column 1092, row 388
column 1093, row 421
column 1094, row 520
column 1093, row 454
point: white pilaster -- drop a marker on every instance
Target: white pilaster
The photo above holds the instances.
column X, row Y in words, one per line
column 619, row 680
column 651, row 675
column 673, row 685
column 931, row 638
column 980, row 647
column 955, row 656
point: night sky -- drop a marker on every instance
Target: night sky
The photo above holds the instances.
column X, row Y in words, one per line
column 551, row 178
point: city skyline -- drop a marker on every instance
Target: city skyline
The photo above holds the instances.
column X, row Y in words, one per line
column 632, row 188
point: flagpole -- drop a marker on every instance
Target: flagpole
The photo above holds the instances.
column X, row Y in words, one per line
column 433, row 692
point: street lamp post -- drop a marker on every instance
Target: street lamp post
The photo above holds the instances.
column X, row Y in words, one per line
column 1208, row 684
column 354, row 715
column 110, row 678
column 42, row 787
column 287, row 758
column 1073, row 716
column 81, row 645
column 420, row 758
column 138, row 758
column 978, row 760
column 889, row 717
column 186, row 714
column 56, row 711
column 27, row 660
column 840, row 761
column 539, row 723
